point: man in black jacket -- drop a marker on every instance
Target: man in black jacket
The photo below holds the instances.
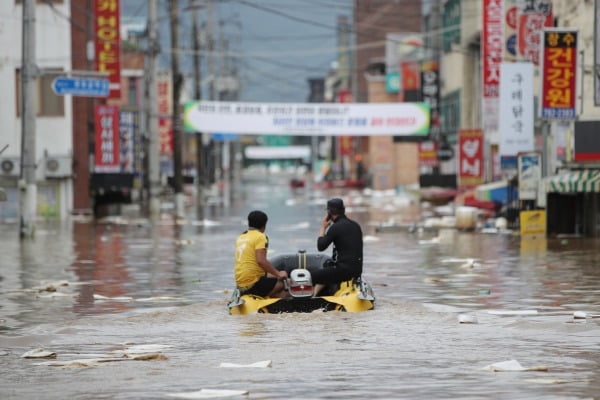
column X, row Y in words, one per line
column 346, row 236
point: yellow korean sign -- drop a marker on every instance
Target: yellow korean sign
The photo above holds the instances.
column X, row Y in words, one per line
column 533, row 222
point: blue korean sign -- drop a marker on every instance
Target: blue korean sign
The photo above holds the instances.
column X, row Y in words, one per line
column 87, row 87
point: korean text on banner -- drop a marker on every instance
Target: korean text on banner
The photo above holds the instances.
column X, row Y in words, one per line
column 559, row 71
column 107, row 152
column 309, row 119
column 470, row 157
column 516, row 109
column 107, row 42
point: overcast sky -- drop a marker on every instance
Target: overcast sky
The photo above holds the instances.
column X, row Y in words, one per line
column 276, row 45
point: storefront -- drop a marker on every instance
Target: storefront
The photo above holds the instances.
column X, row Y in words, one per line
column 573, row 203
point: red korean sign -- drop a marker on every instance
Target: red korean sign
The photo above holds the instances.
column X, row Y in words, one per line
column 165, row 122
column 106, row 157
column 492, row 46
column 470, row 157
column 428, row 154
column 107, row 42
column 533, row 17
column 559, row 70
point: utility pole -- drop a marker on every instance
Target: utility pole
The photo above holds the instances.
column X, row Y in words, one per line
column 177, row 125
column 153, row 148
column 200, row 170
column 27, row 184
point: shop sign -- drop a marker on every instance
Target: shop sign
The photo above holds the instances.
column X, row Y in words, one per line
column 107, row 139
column 559, row 73
column 470, row 157
column 516, row 109
column 107, row 43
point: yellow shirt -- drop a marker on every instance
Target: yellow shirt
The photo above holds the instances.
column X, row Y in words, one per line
column 246, row 270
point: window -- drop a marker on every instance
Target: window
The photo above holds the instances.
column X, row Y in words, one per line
column 132, row 91
column 48, row 103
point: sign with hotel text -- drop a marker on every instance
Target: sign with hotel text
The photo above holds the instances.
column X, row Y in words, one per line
column 107, row 42
column 107, row 139
column 559, row 73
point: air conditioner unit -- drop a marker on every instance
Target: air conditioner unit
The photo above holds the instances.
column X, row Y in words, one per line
column 58, row 166
column 10, row 166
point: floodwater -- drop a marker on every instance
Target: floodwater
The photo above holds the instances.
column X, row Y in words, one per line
column 128, row 282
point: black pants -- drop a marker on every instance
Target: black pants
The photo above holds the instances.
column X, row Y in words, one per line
column 335, row 274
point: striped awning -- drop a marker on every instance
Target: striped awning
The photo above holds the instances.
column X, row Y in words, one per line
column 583, row 181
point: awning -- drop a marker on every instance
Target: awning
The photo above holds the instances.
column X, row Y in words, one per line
column 582, row 181
column 494, row 191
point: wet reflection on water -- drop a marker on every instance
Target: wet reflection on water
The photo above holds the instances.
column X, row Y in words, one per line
column 166, row 282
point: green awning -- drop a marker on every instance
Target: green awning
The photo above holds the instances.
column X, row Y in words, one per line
column 583, row 181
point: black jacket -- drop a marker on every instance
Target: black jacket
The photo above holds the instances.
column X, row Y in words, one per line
column 347, row 239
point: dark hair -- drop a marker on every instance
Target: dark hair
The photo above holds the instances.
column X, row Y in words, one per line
column 257, row 219
column 336, row 206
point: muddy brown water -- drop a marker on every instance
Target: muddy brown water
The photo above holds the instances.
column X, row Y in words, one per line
column 141, row 282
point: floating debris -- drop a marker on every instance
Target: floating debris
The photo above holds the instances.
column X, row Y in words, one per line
column 159, row 299
column 512, row 366
column 512, row 312
column 579, row 315
column 39, row 353
column 467, row 319
column 368, row 239
column 258, row 364
column 209, row 394
column 99, row 297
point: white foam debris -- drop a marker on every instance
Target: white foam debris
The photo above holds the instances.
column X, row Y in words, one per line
column 512, row 312
column 467, row 319
column 39, row 353
column 209, row 394
column 369, row 238
column 258, row 364
column 99, row 297
column 158, row 299
column 143, row 348
column 512, row 366
column 579, row 315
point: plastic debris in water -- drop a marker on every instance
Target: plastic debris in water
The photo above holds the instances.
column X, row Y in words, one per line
column 39, row 353
column 258, row 364
column 208, row 394
column 579, row 315
column 512, row 366
column 467, row 319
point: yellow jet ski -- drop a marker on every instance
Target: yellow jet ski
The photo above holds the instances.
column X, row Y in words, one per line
column 352, row 296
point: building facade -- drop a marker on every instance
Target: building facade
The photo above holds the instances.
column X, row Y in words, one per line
column 54, row 150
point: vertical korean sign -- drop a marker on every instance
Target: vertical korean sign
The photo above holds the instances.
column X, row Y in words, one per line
column 559, row 71
column 165, row 112
column 533, row 16
column 492, row 48
column 516, row 109
column 430, row 93
column 107, row 150
column 107, row 42
column 470, row 157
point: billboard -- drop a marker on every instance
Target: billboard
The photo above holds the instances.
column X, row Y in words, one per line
column 308, row 119
column 107, row 151
column 107, row 43
column 516, row 109
column 470, row 157
column 559, row 73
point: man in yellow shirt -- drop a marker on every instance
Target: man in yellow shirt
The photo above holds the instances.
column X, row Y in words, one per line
column 253, row 273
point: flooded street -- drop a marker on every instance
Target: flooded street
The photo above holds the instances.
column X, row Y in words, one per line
column 87, row 289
